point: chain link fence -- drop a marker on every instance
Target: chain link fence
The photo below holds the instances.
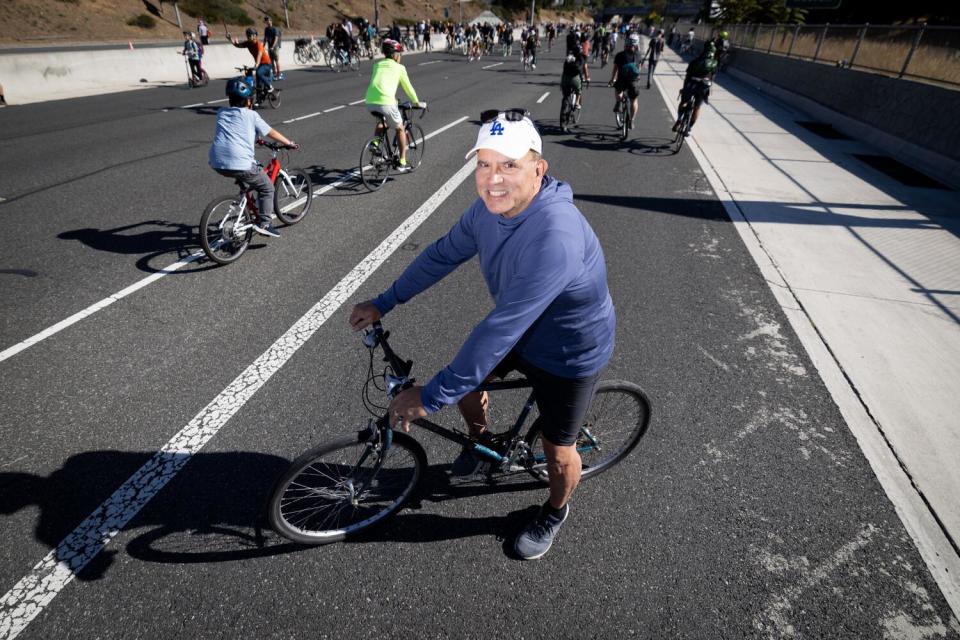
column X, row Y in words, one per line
column 918, row 52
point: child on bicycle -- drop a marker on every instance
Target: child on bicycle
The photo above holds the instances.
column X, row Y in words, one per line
column 232, row 152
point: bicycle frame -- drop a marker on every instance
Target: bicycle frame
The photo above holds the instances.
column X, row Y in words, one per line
column 396, row 383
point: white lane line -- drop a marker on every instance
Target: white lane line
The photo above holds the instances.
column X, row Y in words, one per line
column 543, row 97
column 358, row 101
column 106, row 302
column 217, row 101
column 309, row 115
column 334, row 108
column 423, row 64
column 3, row 199
column 50, row 576
column 191, row 106
column 491, row 66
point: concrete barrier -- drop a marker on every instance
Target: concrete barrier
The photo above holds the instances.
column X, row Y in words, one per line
column 53, row 74
column 915, row 121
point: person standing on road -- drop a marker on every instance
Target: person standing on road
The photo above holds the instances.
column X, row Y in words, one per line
column 271, row 38
column 192, row 51
column 203, row 31
column 652, row 56
column 553, row 319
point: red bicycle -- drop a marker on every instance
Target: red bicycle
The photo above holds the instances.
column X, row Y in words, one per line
column 226, row 225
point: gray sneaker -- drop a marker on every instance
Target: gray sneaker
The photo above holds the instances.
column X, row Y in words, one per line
column 267, row 230
column 535, row 540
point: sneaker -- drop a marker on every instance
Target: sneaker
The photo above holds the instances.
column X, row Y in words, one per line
column 676, row 125
column 403, row 167
column 686, row 134
column 281, row 77
column 267, row 230
column 533, row 66
column 536, row 539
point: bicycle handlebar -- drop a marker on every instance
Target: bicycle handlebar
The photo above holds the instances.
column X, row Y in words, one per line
column 276, row 146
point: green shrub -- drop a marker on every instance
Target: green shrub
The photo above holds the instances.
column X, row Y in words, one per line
column 143, row 21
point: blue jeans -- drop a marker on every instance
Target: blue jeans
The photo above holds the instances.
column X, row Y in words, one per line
column 264, row 75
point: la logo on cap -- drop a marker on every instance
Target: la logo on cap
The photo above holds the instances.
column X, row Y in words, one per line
column 496, row 129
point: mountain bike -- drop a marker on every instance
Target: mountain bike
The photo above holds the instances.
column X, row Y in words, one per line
column 226, row 225
column 381, row 153
column 344, row 486
column 262, row 93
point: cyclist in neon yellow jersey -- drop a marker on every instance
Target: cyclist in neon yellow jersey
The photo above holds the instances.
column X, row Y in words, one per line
column 382, row 93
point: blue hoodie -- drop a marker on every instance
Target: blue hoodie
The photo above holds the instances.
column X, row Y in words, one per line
column 546, row 273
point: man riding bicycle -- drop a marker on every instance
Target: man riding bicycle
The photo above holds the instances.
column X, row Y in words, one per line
column 530, row 46
column 575, row 71
column 626, row 72
column 553, row 319
column 261, row 59
column 696, row 85
column 381, row 95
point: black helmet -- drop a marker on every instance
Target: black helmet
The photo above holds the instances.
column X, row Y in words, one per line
column 251, row 32
column 390, row 47
column 238, row 88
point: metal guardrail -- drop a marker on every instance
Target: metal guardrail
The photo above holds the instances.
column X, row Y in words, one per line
column 919, row 52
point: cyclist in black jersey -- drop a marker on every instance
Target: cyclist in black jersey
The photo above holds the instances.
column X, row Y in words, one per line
column 626, row 72
column 696, row 84
column 574, row 73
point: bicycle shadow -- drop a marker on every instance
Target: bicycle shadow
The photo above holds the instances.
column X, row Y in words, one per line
column 154, row 239
column 212, row 530
column 336, row 182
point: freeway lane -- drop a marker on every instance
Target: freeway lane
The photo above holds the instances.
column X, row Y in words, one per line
column 748, row 509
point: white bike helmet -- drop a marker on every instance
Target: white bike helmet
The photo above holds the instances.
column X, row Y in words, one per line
column 634, row 39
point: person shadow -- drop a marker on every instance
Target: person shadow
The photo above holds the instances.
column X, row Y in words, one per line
column 210, row 507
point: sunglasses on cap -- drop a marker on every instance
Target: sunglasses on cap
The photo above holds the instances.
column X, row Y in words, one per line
column 510, row 115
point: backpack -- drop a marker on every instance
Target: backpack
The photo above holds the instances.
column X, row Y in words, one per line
column 630, row 71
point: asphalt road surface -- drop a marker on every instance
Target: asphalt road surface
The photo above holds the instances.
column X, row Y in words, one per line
column 747, row 511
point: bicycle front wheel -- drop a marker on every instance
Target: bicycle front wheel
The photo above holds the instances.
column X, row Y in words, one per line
column 336, row 490
column 293, row 196
column 374, row 165
column 416, row 145
column 618, row 418
column 225, row 230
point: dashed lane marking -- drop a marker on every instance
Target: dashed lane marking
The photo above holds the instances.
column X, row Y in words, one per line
column 35, row 591
column 309, row 115
column 191, row 106
column 106, row 302
column 334, row 108
column 491, row 66
column 358, row 101
column 423, row 64
column 218, row 101
column 543, row 97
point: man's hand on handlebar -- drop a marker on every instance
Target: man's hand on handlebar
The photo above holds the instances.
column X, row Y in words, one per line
column 422, row 105
column 363, row 315
column 406, row 407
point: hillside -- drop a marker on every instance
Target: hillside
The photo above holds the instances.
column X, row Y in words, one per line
column 33, row 22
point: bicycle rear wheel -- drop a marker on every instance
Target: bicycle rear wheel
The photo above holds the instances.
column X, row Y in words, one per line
column 618, row 418
column 273, row 98
column 225, row 230
column 374, row 164
column 416, row 145
column 341, row 488
column 292, row 201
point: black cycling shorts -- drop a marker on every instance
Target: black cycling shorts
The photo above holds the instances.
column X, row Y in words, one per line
column 563, row 402
column 631, row 88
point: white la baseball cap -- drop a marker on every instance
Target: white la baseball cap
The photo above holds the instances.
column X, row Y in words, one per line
column 512, row 138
